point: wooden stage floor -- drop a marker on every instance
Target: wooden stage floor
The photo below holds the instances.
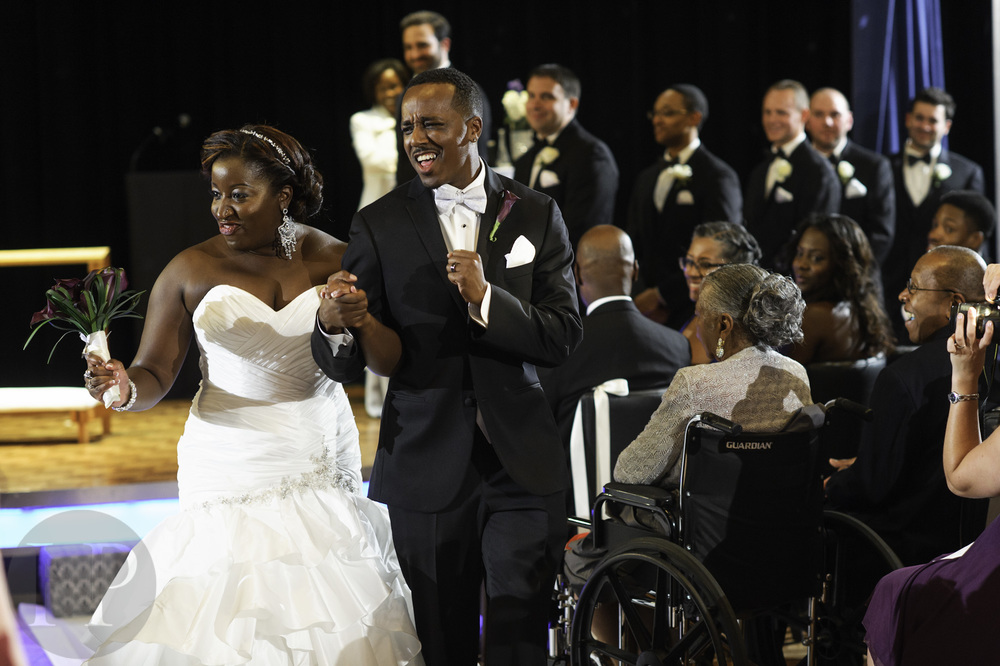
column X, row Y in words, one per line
column 39, row 453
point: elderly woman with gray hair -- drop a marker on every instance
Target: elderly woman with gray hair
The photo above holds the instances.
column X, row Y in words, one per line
column 744, row 313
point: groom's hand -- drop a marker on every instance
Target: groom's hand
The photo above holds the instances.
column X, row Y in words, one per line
column 465, row 271
column 342, row 304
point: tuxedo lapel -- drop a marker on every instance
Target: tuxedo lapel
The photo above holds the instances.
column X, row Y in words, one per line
column 423, row 215
column 494, row 193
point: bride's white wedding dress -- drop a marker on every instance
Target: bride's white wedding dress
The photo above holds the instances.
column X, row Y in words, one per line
column 274, row 558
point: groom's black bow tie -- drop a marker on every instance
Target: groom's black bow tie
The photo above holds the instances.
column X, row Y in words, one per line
column 913, row 159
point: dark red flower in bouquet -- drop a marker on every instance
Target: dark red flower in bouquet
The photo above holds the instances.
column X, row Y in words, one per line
column 87, row 306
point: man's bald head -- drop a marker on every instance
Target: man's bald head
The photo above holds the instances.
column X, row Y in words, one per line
column 605, row 263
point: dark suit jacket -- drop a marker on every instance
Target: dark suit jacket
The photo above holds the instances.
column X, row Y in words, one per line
column 875, row 212
column 588, row 179
column 814, row 187
column 618, row 342
column 660, row 237
column 897, row 484
column 913, row 222
column 450, row 364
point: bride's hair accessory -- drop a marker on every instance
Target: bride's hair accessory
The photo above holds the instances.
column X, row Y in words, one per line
column 286, row 233
column 281, row 153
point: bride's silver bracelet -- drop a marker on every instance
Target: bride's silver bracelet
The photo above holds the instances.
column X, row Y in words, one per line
column 131, row 401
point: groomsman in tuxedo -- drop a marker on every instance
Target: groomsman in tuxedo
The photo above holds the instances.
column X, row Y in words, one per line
column 567, row 162
column 427, row 45
column 867, row 193
column 618, row 342
column 459, row 284
column 923, row 172
column 684, row 188
column 793, row 181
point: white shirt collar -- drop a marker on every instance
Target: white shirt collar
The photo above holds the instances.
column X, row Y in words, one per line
column 789, row 147
column 686, row 151
column 607, row 299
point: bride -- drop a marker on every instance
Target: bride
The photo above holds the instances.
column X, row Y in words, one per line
column 274, row 558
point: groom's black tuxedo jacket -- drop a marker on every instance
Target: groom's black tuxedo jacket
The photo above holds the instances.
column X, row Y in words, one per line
column 814, row 187
column 661, row 237
column 451, row 365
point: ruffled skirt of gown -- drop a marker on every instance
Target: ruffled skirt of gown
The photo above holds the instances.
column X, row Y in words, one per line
column 274, row 558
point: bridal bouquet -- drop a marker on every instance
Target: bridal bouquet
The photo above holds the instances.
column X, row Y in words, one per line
column 88, row 307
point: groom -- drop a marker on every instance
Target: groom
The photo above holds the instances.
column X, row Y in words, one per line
column 459, row 284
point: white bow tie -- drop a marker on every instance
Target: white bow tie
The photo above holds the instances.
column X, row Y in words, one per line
column 446, row 198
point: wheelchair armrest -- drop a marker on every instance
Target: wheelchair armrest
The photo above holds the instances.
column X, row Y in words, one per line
column 654, row 501
column 638, row 495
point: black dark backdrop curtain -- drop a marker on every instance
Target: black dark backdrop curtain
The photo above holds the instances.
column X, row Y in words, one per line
column 83, row 87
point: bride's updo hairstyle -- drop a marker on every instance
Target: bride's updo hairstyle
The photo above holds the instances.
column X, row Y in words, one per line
column 277, row 157
column 767, row 307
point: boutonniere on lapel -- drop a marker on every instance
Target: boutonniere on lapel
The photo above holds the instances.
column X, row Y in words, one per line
column 783, row 169
column 942, row 172
column 509, row 199
column 681, row 172
column 548, row 155
column 845, row 170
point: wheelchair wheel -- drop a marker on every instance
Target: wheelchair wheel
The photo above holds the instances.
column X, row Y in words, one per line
column 651, row 602
column 857, row 558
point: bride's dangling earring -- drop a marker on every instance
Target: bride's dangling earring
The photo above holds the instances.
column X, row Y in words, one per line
column 286, row 234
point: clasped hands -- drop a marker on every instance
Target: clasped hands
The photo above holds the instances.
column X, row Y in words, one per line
column 344, row 305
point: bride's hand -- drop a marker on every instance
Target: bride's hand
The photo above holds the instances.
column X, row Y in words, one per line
column 101, row 376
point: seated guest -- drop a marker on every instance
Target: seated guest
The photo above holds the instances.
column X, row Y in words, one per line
column 896, row 484
column 945, row 612
column 744, row 313
column 965, row 218
column 834, row 268
column 713, row 244
column 617, row 340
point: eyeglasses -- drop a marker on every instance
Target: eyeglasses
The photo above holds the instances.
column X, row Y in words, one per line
column 666, row 113
column 703, row 267
column 910, row 287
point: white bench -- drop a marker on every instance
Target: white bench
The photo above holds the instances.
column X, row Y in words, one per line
column 41, row 399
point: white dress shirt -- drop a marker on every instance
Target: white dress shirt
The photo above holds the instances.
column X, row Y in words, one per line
column 917, row 178
column 772, row 171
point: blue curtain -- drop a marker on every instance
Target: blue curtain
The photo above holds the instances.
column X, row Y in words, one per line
column 896, row 51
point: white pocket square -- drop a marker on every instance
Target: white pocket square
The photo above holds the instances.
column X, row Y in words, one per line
column 855, row 189
column 521, row 253
column 547, row 179
column 685, row 198
column 781, row 195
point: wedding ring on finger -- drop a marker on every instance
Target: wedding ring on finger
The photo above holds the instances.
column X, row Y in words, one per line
column 88, row 374
column 453, row 267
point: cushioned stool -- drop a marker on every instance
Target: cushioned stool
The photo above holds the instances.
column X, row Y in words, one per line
column 73, row 399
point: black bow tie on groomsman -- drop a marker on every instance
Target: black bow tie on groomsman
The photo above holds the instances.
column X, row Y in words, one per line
column 913, row 159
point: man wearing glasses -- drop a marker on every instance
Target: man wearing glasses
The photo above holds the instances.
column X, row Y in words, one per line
column 684, row 188
column 896, row 484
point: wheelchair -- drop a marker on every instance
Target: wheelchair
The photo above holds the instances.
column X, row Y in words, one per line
column 714, row 572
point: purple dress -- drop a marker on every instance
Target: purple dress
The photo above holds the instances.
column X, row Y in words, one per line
column 944, row 612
